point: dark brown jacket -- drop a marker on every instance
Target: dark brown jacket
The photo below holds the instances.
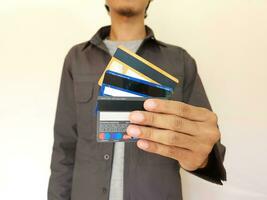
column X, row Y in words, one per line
column 81, row 167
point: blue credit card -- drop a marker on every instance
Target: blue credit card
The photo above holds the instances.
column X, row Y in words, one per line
column 109, row 90
column 114, row 81
column 112, row 114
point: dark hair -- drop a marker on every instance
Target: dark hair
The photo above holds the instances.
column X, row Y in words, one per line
column 107, row 8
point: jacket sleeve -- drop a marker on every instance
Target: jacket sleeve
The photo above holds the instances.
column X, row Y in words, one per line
column 65, row 138
column 194, row 94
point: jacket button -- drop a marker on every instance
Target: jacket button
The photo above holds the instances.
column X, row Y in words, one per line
column 104, row 190
column 106, row 157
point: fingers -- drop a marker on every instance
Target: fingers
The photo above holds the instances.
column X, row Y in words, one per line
column 164, row 150
column 165, row 137
column 188, row 160
column 164, row 121
column 179, row 109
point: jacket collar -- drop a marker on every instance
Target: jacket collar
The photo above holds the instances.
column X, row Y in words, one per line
column 103, row 32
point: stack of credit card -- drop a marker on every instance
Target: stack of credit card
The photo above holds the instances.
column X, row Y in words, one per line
column 126, row 82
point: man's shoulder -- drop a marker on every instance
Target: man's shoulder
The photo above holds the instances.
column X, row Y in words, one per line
column 78, row 47
column 175, row 50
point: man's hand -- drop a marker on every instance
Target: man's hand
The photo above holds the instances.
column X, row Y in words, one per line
column 177, row 130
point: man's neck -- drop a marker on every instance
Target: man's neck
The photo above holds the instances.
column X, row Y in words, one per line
column 127, row 28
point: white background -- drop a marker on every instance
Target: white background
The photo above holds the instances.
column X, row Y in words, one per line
column 226, row 37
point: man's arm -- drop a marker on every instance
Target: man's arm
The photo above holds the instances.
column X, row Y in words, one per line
column 65, row 138
column 185, row 131
column 194, row 94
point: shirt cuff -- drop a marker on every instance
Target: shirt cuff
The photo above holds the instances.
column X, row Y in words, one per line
column 214, row 170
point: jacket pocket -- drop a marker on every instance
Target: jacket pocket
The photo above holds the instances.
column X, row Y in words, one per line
column 84, row 91
column 85, row 87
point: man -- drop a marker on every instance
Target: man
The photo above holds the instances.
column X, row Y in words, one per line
column 181, row 132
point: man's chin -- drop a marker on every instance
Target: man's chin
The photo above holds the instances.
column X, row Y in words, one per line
column 127, row 12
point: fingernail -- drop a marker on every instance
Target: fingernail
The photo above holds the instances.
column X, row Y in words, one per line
column 142, row 144
column 150, row 104
column 136, row 117
column 133, row 131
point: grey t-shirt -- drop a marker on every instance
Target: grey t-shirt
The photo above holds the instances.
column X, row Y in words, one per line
column 116, row 184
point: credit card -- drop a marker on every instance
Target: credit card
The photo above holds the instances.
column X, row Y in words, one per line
column 109, row 90
column 112, row 117
column 120, row 67
column 145, row 67
column 136, row 86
